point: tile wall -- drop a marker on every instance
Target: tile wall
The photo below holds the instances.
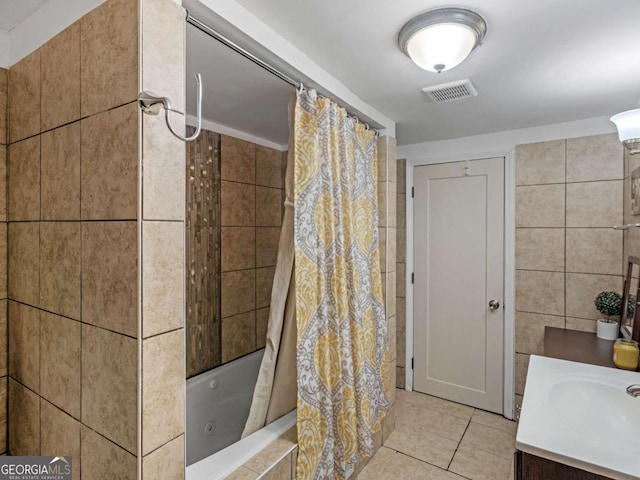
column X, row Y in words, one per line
column 401, row 272
column 252, row 196
column 387, row 181
column 95, row 249
column 387, row 188
column 162, row 373
column 4, row 340
column 73, row 235
column 569, row 194
column 235, row 207
column 78, row 246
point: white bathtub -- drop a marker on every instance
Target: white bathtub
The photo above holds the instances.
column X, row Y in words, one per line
column 218, row 403
column 224, row 462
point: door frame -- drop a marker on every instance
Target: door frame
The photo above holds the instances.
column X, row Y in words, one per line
column 509, row 264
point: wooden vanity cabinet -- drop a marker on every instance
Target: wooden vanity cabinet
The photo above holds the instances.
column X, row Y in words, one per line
column 531, row 467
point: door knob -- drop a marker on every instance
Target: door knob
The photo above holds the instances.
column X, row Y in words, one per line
column 494, row 305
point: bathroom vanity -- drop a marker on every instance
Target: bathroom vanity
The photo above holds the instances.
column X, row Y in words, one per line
column 577, row 422
column 532, row 467
column 576, row 346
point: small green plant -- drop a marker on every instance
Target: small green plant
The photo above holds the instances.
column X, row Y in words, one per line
column 610, row 305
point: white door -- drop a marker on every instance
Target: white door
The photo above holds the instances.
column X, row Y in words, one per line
column 459, row 282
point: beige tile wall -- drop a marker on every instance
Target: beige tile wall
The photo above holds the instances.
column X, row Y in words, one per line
column 72, row 238
column 569, row 194
column 252, row 207
column 401, row 272
column 85, row 125
column 4, row 340
column 387, row 197
column 161, row 376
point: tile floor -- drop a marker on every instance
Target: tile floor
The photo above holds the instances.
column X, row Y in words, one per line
column 439, row 440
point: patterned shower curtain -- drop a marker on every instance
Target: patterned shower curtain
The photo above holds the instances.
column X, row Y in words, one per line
column 342, row 374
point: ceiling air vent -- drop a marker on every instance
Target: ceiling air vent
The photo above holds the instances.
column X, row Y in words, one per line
column 448, row 92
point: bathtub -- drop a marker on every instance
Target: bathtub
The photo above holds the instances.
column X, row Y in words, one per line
column 218, row 403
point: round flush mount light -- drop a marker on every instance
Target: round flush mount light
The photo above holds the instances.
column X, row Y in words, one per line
column 440, row 39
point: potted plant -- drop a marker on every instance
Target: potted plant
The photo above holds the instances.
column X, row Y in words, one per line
column 608, row 304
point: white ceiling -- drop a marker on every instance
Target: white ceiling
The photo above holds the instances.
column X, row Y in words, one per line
column 542, row 62
column 14, row 12
column 236, row 92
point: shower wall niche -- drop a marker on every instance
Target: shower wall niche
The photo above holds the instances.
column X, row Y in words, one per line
column 235, row 195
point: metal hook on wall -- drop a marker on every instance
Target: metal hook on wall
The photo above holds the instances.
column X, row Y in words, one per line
column 151, row 103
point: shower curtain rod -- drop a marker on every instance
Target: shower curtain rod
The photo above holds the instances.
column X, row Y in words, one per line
column 204, row 28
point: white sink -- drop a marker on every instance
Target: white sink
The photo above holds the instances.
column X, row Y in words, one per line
column 581, row 400
column 581, row 415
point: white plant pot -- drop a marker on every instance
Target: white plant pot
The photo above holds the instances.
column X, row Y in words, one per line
column 606, row 330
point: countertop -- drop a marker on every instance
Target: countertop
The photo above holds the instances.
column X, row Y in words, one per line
column 567, row 422
column 584, row 347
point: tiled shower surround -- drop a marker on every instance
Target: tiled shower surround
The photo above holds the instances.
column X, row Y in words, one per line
column 235, row 197
column 252, row 207
column 72, row 166
column 96, row 211
column 95, row 249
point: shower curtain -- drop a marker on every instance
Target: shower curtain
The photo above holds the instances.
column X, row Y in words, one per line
column 342, row 374
column 275, row 391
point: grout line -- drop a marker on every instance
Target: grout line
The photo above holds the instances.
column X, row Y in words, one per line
column 570, row 183
column 79, row 221
column 165, row 443
column 600, row 227
column 108, row 439
column 565, row 236
column 156, row 220
column 81, row 290
column 163, row 333
column 458, row 446
column 422, row 461
column 6, row 269
column 73, row 319
column 140, row 232
column 79, row 119
column 569, row 272
column 40, row 271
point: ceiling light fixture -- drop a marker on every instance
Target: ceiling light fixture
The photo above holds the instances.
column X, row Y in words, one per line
column 440, row 39
column 628, row 125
